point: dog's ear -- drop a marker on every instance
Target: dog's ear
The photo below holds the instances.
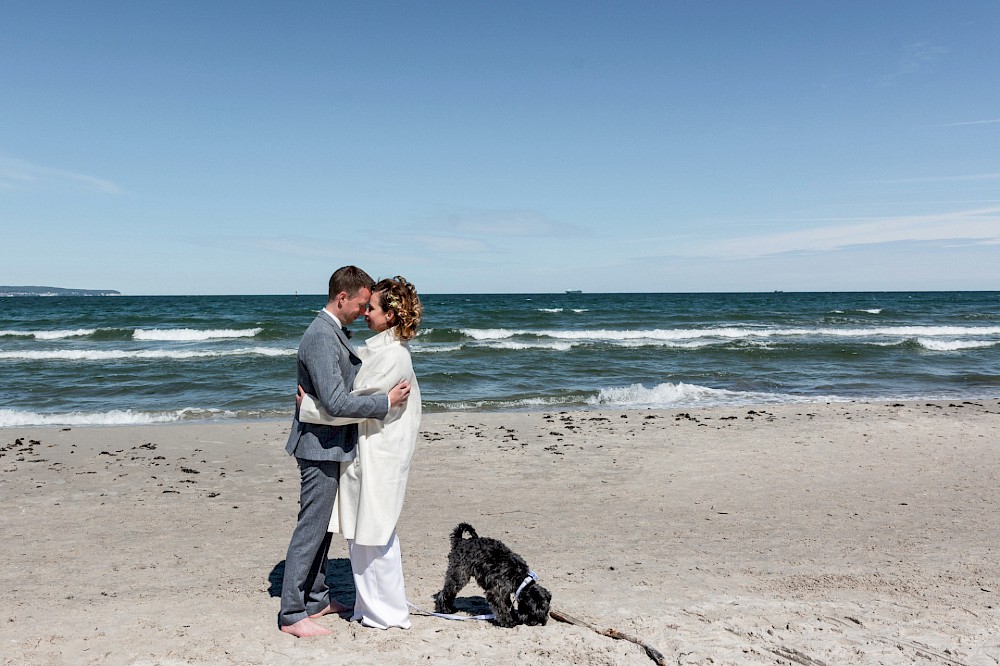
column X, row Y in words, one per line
column 537, row 593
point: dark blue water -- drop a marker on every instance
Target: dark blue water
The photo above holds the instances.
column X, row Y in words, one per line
column 80, row 360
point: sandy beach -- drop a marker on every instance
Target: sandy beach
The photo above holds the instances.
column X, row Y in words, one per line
column 796, row 534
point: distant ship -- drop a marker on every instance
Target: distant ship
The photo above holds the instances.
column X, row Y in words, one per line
column 574, row 291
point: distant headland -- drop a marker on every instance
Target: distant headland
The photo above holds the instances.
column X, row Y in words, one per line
column 55, row 291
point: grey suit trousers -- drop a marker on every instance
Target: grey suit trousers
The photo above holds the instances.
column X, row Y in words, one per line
column 304, row 591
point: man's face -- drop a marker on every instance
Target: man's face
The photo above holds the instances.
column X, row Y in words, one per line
column 355, row 305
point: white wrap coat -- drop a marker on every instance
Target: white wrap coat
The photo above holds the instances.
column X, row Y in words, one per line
column 372, row 486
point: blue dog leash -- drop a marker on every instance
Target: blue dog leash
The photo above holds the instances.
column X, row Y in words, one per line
column 450, row 616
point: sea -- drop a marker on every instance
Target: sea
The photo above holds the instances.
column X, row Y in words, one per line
column 71, row 361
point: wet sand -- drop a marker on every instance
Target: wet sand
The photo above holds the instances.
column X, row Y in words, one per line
column 798, row 534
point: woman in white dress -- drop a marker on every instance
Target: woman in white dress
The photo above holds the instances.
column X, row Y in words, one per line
column 372, row 486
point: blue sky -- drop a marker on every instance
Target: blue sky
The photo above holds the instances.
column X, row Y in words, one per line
column 239, row 148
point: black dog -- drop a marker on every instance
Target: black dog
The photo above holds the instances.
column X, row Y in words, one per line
column 510, row 587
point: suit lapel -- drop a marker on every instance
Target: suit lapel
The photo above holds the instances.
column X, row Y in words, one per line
column 339, row 332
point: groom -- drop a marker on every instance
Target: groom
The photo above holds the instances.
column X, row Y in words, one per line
column 327, row 365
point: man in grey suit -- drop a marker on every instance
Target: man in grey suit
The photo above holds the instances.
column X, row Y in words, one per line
column 327, row 365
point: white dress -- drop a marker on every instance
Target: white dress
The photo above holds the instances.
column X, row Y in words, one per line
column 373, row 485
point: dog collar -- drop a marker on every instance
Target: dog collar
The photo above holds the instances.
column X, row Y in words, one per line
column 528, row 580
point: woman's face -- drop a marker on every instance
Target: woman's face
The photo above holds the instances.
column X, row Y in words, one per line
column 377, row 318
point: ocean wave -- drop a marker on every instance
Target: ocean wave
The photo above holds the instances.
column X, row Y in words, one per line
column 521, row 346
column 19, row 418
column 12, row 417
column 141, row 354
column 550, row 310
column 50, row 335
column 671, row 344
column 191, row 334
column 502, row 405
column 687, row 395
column 954, row 345
column 431, row 349
column 511, row 345
column 490, row 333
column 730, row 333
column 637, row 396
column 865, row 310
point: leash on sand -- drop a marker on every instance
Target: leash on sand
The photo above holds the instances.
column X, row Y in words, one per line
column 532, row 577
column 653, row 653
column 449, row 616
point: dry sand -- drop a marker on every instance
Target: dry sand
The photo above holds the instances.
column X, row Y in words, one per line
column 797, row 534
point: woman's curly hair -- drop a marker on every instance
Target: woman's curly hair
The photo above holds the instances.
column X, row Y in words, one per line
column 399, row 297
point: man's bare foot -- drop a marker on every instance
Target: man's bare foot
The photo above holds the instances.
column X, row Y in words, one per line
column 334, row 607
column 306, row 629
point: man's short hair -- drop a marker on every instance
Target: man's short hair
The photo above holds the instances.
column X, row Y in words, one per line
column 350, row 279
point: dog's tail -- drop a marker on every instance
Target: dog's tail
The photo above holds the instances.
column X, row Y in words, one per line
column 463, row 528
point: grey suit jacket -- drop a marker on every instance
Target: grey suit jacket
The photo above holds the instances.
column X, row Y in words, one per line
column 326, row 368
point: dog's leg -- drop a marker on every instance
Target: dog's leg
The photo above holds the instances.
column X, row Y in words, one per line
column 454, row 581
column 503, row 611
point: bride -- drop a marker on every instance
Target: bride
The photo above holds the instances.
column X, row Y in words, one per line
column 372, row 486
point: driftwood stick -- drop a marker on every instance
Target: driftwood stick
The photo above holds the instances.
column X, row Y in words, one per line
column 653, row 653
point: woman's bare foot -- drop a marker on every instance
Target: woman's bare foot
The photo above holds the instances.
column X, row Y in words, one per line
column 334, row 607
column 306, row 629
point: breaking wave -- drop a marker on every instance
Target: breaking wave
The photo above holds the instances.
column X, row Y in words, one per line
column 142, row 354
column 192, row 335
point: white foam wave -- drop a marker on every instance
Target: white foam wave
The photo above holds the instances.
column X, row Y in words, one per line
column 670, row 344
column 868, row 310
column 141, row 354
column 685, row 395
column 550, row 310
column 731, row 333
column 435, row 349
column 12, row 417
column 50, row 335
column 954, row 345
column 191, row 334
column 519, row 346
column 490, row 333
column 580, row 310
column 522, row 403
column 659, row 334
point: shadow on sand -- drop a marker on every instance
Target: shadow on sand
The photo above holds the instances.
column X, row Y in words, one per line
column 338, row 578
column 341, row 583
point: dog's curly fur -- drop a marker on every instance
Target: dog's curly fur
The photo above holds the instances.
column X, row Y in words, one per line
column 499, row 571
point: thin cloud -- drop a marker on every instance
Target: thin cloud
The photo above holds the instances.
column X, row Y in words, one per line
column 294, row 246
column 969, row 122
column 914, row 58
column 390, row 248
column 496, row 223
column 920, row 53
column 16, row 175
column 942, row 179
column 450, row 245
column 971, row 227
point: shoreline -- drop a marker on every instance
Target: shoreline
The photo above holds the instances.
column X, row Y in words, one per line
column 841, row 533
column 582, row 409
